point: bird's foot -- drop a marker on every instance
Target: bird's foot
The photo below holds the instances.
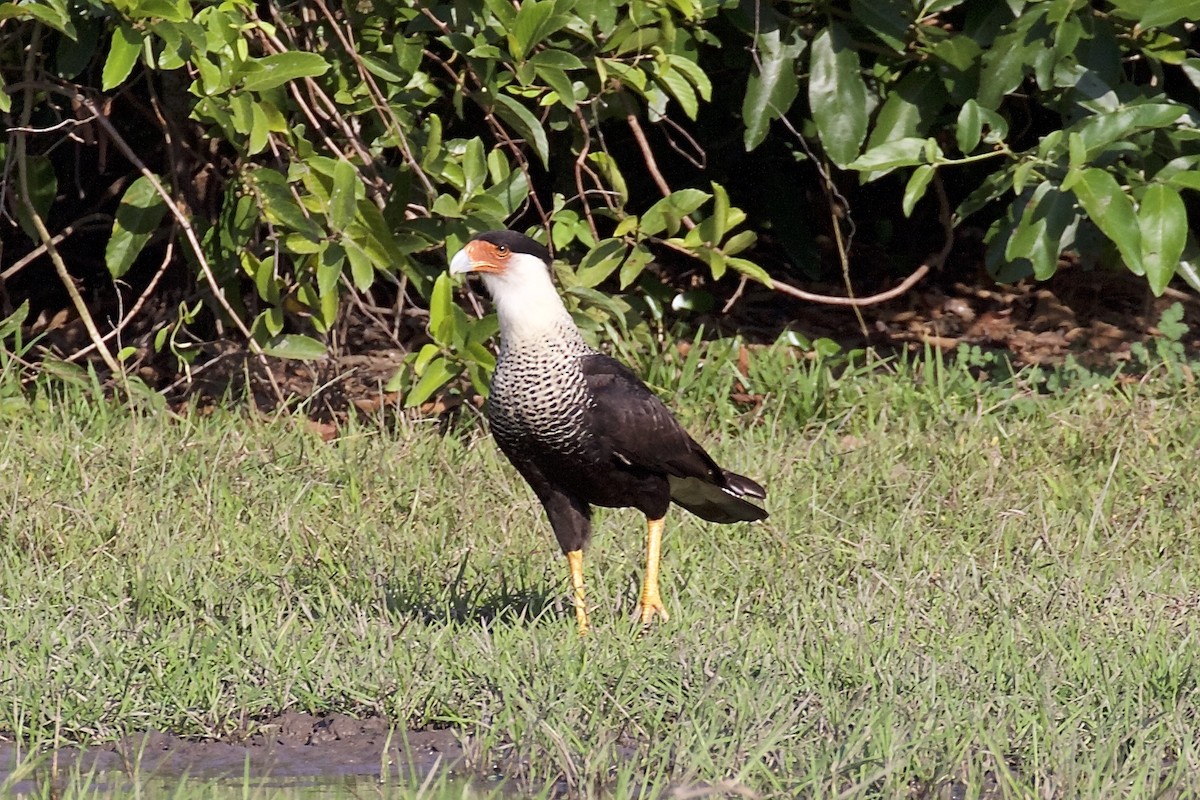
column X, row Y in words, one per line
column 650, row 606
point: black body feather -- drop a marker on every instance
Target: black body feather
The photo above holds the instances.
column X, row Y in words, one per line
column 630, row 452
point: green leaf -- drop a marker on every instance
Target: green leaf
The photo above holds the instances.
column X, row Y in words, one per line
column 269, row 72
column 636, row 261
column 362, row 270
column 138, row 215
column 1020, row 175
column 906, row 152
column 712, row 230
column 474, row 166
column 343, row 199
column 526, row 125
column 13, row 322
column 1004, row 65
column 362, row 265
column 887, row 19
column 969, row 127
column 1077, row 151
column 739, row 242
column 56, row 15
column 437, row 373
column 1161, row 13
column 281, row 208
column 122, row 54
column 556, row 59
column 1162, row 219
column 837, row 94
column 751, row 270
column 1186, row 180
column 262, row 272
column 1189, row 263
column 918, row 182
column 532, row 24
column 694, row 74
column 1111, row 209
column 295, row 346
column 159, row 9
column 260, row 129
column 910, row 108
column 1099, row 130
column 600, row 262
column 72, row 56
column 772, row 88
column 560, row 83
column 667, row 214
column 442, row 308
column 1046, row 228
column 678, row 86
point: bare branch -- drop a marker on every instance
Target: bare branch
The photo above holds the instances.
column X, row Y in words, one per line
column 43, row 233
column 180, row 217
column 137, row 306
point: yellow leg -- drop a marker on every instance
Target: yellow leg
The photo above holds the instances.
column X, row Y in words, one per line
column 651, row 601
column 575, row 562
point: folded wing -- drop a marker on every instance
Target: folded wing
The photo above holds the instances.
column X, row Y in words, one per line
column 641, row 433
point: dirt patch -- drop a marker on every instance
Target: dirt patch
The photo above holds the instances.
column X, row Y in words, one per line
column 324, row 749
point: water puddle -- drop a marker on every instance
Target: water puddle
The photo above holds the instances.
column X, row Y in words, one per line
column 293, row 755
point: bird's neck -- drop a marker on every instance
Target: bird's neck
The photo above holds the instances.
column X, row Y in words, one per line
column 533, row 315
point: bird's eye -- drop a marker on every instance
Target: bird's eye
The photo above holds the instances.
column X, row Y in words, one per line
column 502, row 249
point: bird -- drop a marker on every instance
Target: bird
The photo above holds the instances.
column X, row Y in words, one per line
column 581, row 428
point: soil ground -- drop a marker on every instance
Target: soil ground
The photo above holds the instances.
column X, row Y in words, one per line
column 323, row 749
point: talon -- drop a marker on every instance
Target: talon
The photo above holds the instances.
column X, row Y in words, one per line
column 649, row 607
column 651, row 602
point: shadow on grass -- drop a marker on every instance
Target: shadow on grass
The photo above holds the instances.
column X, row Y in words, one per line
column 460, row 602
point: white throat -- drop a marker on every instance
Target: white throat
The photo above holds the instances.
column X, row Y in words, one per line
column 529, row 308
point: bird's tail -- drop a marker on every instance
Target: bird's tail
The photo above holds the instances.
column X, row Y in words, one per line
column 720, row 503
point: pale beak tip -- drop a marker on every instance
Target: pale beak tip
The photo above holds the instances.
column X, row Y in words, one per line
column 461, row 263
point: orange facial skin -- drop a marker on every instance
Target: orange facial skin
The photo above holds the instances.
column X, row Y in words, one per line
column 487, row 257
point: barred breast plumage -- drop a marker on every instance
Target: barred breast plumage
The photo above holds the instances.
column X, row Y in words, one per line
column 539, row 394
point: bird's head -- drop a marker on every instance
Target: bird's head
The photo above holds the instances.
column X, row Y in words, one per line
column 503, row 259
column 516, row 271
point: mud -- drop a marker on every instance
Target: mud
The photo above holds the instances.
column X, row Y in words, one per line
column 326, row 749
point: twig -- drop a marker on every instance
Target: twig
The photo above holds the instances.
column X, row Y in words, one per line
column 40, row 250
column 580, row 168
column 920, row 272
column 180, row 217
column 934, row 261
column 651, row 164
column 737, row 295
column 43, row 233
column 647, row 154
column 369, row 311
column 842, row 246
column 137, row 306
column 828, row 299
column 66, row 123
column 700, row 158
column 378, row 99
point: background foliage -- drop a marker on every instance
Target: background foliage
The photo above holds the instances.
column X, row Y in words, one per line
column 177, row 172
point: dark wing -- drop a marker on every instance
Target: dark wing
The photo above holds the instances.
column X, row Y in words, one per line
column 570, row 517
column 631, row 423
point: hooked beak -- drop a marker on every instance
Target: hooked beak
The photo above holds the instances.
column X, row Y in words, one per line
column 476, row 256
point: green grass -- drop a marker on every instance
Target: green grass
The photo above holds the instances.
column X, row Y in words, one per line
column 960, row 583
